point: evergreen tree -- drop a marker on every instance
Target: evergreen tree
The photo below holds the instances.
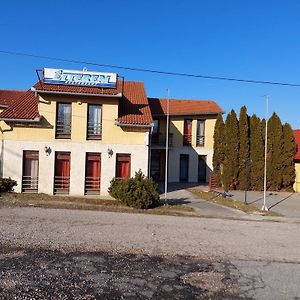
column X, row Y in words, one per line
column 244, row 161
column 218, row 156
column 275, row 153
column 231, row 152
column 289, row 151
column 256, row 153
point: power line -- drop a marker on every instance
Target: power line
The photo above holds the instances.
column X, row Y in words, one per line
column 82, row 62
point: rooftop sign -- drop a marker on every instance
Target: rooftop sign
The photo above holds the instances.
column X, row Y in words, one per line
column 80, row 78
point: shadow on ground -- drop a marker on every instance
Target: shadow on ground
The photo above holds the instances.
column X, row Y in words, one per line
column 44, row 274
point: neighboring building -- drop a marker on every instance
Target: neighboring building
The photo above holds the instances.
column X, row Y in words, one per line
column 190, row 139
column 71, row 134
column 297, row 161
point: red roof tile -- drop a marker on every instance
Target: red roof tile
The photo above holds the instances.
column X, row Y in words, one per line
column 25, row 107
column 183, row 107
column 78, row 89
column 7, row 97
column 297, row 138
column 134, row 107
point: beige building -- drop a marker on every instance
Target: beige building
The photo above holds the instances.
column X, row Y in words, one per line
column 71, row 134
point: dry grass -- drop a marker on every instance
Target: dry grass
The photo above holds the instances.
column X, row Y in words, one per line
column 247, row 208
column 88, row 203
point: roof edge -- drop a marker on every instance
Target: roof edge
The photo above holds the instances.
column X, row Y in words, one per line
column 119, row 95
column 134, row 125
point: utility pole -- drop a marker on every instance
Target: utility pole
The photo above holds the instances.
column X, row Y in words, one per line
column 264, row 207
column 167, row 147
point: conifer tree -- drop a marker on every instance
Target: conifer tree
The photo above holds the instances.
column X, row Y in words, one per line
column 289, row 151
column 244, row 160
column 218, row 156
column 231, row 152
column 275, row 153
column 256, row 153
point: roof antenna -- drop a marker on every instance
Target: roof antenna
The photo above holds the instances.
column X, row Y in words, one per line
column 84, row 69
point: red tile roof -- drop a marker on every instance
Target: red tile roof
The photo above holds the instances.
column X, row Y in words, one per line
column 183, row 107
column 134, row 107
column 24, row 108
column 78, row 89
column 297, row 138
column 7, row 97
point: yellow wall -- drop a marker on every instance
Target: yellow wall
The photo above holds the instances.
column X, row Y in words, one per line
column 111, row 133
column 177, row 128
column 297, row 181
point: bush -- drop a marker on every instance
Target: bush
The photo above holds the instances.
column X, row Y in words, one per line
column 7, row 184
column 137, row 192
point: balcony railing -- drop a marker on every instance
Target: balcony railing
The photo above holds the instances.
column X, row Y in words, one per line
column 94, row 131
column 160, row 139
column 187, row 139
column 200, row 140
column 63, row 129
column 61, row 184
column 30, row 184
column 92, row 185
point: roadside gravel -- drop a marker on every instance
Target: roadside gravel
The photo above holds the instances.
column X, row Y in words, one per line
column 70, row 230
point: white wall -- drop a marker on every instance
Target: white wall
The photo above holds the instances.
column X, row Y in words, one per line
column 13, row 158
column 193, row 152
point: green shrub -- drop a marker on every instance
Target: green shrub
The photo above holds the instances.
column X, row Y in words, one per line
column 7, row 184
column 137, row 192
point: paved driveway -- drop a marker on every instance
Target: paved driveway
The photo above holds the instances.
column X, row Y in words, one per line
column 288, row 204
column 285, row 203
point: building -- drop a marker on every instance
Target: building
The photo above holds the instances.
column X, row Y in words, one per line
column 73, row 131
column 190, row 140
column 297, row 161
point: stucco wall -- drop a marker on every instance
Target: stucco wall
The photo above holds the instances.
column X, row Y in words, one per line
column 13, row 156
column 177, row 128
column 46, row 131
column 193, row 152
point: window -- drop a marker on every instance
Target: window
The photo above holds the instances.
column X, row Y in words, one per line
column 63, row 120
column 62, row 173
column 200, row 132
column 123, row 166
column 92, row 173
column 187, row 133
column 94, row 126
column 30, row 178
column 155, row 132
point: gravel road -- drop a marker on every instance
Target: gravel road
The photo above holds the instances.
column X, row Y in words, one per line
column 150, row 234
column 73, row 254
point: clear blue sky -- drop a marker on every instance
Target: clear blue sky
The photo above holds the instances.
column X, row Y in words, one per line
column 234, row 38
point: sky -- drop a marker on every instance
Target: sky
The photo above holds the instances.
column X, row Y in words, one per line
column 255, row 39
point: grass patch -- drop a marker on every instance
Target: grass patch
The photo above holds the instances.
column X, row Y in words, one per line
column 88, row 203
column 247, row 208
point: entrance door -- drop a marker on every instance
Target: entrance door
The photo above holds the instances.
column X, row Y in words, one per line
column 30, row 178
column 62, row 173
column 184, row 167
column 92, row 173
column 202, row 168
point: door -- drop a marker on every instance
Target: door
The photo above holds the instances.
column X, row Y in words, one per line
column 202, row 168
column 92, row 173
column 62, row 173
column 30, row 178
column 184, row 167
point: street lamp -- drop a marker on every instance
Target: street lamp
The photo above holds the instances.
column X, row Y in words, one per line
column 167, row 147
column 264, row 207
